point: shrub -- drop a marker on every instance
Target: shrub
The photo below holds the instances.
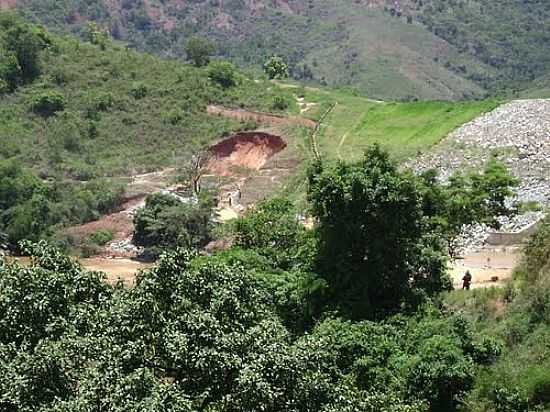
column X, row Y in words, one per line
column 279, row 103
column 222, row 73
column 199, row 50
column 510, row 400
column 100, row 102
column 138, row 91
column 48, row 103
column 101, row 237
column 276, row 68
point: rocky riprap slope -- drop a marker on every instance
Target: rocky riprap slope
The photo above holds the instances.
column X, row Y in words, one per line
column 518, row 134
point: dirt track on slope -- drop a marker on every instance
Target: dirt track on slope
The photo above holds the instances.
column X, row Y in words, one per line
column 259, row 117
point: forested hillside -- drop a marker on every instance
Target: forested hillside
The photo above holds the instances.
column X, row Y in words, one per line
column 345, row 317
column 79, row 118
column 334, row 293
column 386, row 49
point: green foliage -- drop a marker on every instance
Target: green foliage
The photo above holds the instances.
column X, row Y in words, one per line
column 276, row 68
column 200, row 334
column 30, row 208
column 167, row 223
column 101, row 237
column 138, row 91
column 20, row 49
column 280, row 103
column 222, row 73
column 48, row 103
column 468, row 198
column 374, row 251
column 111, row 97
column 199, row 50
column 95, row 35
column 491, row 44
column 272, row 230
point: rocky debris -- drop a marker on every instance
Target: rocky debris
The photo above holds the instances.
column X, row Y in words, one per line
column 516, row 224
column 518, row 134
column 473, row 238
column 125, row 246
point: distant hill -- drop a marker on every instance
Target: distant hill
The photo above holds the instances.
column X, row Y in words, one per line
column 396, row 49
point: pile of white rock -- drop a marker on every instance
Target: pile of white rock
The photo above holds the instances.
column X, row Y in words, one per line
column 125, row 246
column 518, row 134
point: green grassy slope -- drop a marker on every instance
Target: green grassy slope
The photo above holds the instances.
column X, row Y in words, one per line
column 403, row 128
column 333, row 42
column 387, row 58
column 125, row 112
column 435, row 49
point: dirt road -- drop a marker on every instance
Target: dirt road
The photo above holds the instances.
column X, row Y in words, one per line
column 486, row 266
column 115, row 269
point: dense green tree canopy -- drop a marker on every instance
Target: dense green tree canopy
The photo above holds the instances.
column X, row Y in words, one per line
column 167, row 223
column 374, row 250
column 198, row 334
column 276, row 68
column 20, row 48
column 384, row 234
column 199, row 50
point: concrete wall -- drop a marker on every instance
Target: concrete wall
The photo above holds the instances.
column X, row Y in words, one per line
column 512, row 238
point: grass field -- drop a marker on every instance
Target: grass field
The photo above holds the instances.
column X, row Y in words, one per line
column 405, row 129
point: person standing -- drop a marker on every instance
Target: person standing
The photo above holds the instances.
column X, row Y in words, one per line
column 467, row 280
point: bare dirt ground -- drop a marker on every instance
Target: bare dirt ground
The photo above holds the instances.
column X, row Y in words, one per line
column 250, row 150
column 489, row 267
column 259, row 117
column 119, row 223
column 124, row 270
column 7, row 4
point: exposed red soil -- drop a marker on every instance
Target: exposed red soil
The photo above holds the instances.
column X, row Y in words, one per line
column 259, row 117
column 119, row 223
column 249, row 150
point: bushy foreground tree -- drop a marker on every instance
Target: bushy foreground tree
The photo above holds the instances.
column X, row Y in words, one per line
column 167, row 223
column 374, row 251
column 384, row 234
column 190, row 336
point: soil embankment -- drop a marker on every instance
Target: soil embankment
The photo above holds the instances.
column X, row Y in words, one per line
column 250, row 150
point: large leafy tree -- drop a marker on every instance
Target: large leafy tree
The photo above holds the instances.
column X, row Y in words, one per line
column 167, row 223
column 199, row 50
column 20, row 48
column 371, row 234
column 385, row 235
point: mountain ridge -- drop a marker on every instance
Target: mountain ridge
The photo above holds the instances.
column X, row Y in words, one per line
column 390, row 49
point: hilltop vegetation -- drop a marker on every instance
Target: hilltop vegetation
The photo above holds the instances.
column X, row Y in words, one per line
column 74, row 113
column 435, row 49
column 96, row 110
